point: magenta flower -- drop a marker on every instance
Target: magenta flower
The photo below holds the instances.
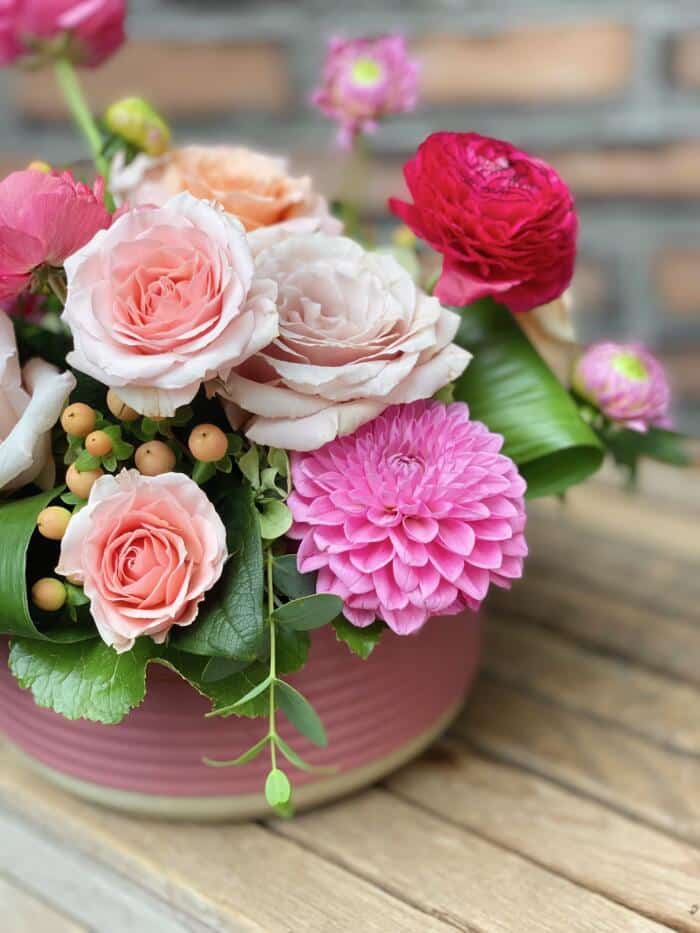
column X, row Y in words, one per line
column 85, row 31
column 364, row 80
column 413, row 515
column 44, row 219
column 627, row 383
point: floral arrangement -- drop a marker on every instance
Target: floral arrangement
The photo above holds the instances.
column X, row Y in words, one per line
column 228, row 421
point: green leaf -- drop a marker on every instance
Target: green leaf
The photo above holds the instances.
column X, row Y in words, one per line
column 275, row 519
column 224, row 693
column 289, row 581
column 627, row 447
column 220, row 668
column 309, row 612
column 292, row 649
column 361, row 641
column 279, row 460
column 295, row 759
column 249, row 465
column 109, row 462
column 231, row 622
column 17, row 525
column 87, row 680
column 203, row 472
column 243, row 759
column 300, row 713
column 86, row 461
column 511, row 389
column 278, row 790
column 75, row 595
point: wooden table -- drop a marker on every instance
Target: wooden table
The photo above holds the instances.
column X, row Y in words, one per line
column 566, row 798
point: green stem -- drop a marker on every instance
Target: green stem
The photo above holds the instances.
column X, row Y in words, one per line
column 75, row 98
column 273, row 661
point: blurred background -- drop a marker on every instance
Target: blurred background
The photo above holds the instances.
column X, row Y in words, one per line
column 608, row 91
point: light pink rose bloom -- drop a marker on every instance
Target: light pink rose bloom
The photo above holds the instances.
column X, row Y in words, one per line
column 146, row 550
column 255, row 187
column 356, row 335
column 164, row 300
column 31, row 402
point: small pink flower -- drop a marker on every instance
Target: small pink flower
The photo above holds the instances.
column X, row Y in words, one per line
column 414, row 515
column 164, row 300
column 146, row 549
column 85, row 31
column 627, row 383
column 44, row 219
column 364, row 80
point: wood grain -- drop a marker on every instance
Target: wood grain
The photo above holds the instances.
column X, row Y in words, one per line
column 636, row 777
column 473, row 884
column 564, row 832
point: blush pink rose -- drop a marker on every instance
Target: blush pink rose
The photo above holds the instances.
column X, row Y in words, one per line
column 355, row 336
column 85, row 31
column 164, row 300
column 44, row 218
column 146, row 549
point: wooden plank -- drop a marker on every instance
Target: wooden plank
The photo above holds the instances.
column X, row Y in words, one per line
column 587, row 756
column 229, row 878
column 575, row 837
column 569, row 675
column 22, row 913
column 453, row 874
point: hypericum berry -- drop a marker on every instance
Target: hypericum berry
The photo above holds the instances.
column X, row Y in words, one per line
column 120, row 409
column 80, row 483
column 154, row 458
column 208, row 443
column 98, row 443
column 52, row 522
column 49, row 594
column 78, row 419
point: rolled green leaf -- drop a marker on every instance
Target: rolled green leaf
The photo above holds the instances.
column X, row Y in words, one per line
column 511, row 389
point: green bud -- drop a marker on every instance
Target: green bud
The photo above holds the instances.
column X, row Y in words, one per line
column 138, row 123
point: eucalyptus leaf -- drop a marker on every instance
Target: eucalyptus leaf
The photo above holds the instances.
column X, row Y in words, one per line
column 83, row 680
column 309, row 612
column 295, row 759
column 361, row 641
column 279, row 460
column 275, row 519
column 249, row 465
column 243, row 759
column 289, row 581
column 231, row 622
column 292, row 649
column 300, row 713
column 278, row 790
column 511, row 389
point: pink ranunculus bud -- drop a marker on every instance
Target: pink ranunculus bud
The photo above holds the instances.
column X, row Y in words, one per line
column 414, row 515
column 364, row 80
column 503, row 220
column 85, row 31
column 626, row 382
column 44, row 219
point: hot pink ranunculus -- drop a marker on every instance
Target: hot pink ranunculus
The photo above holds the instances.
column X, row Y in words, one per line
column 164, row 300
column 503, row 220
column 85, row 31
column 44, row 218
column 414, row 515
column 147, row 549
column 355, row 335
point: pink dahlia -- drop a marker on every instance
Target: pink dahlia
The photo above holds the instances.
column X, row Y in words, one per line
column 414, row 515
column 363, row 80
column 626, row 382
column 44, row 219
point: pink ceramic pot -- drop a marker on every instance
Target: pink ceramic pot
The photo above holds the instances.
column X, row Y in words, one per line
column 378, row 714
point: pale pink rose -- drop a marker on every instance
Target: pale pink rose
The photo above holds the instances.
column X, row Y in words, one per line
column 550, row 329
column 255, row 187
column 356, row 335
column 31, row 402
column 164, row 300
column 146, row 549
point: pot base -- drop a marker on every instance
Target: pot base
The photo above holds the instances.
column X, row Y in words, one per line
column 239, row 807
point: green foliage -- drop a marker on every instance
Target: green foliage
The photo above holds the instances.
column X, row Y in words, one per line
column 629, row 447
column 83, row 680
column 309, row 612
column 510, row 388
column 289, row 581
column 361, row 641
column 301, row 713
column 278, row 790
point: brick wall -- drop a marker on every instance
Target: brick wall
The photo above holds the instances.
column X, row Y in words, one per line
column 607, row 90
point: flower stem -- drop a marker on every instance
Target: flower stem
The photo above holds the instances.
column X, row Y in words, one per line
column 272, row 731
column 75, row 98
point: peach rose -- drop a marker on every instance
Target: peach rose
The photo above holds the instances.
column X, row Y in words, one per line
column 146, row 549
column 165, row 299
column 31, row 402
column 356, row 335
column 254, row 187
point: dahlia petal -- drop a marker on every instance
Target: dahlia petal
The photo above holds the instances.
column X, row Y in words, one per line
column 372, row 556
column 420, row 529
column 457, row 536
column 448, row 564
column 359, row 617
column 486, row 554
column 405, row 621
